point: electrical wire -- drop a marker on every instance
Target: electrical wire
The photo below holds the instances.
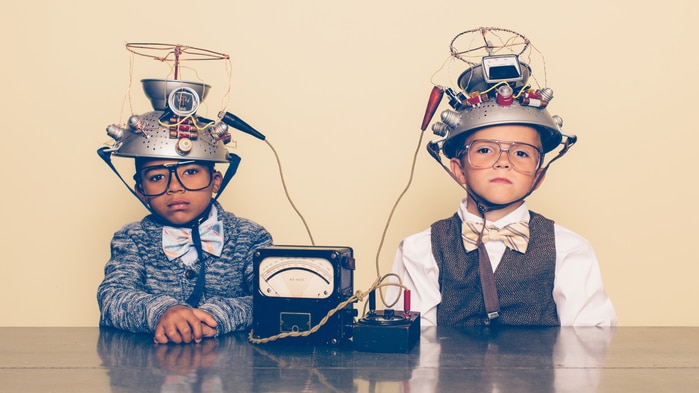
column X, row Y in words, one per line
column 286, row 192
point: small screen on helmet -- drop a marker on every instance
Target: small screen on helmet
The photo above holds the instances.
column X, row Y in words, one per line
column 501, row 68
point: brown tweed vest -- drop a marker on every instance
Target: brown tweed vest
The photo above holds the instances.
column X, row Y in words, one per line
column 524, row 281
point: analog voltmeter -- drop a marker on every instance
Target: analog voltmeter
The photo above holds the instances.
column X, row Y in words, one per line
column 297, row 286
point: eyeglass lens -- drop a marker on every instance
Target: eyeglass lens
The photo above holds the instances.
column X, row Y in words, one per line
column 484, row 153
column 193, row 177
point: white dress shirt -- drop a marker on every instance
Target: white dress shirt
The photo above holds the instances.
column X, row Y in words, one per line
column 577, row 290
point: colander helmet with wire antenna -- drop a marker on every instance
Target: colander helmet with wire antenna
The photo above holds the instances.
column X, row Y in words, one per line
column 493, row 90
column 173, row 130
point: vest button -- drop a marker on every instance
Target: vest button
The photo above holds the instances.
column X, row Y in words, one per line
column 190, row 274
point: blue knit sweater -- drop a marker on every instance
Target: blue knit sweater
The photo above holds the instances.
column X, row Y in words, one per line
column 140, row 284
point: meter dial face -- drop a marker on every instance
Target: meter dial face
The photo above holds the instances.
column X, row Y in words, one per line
column 309, row 278
column 183, row 101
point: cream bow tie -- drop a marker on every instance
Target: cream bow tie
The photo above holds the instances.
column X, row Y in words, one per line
column 515, row 235
column 177, row 241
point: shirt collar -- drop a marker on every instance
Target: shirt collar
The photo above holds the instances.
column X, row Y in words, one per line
column 519, row 214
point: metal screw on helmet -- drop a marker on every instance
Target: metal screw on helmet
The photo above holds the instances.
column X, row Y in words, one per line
column 440, row 129
column 558, row 120
column 451, row 118
column 546, row 94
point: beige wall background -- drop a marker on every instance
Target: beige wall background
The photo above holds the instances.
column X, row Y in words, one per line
column 339, row 88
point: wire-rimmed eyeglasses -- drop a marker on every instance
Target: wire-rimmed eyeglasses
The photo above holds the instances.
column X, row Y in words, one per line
column 484, row 153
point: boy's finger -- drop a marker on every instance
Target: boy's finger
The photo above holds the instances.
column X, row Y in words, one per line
column 160, row 337
column 205, row 318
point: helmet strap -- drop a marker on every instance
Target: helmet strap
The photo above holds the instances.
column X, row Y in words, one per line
column 105, row 154
column 233, row 163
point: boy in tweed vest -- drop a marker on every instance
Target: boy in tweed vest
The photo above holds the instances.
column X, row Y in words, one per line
column 494, row 261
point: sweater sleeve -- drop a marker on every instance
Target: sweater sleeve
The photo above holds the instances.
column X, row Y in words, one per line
column 122, row 296
column 233, row 313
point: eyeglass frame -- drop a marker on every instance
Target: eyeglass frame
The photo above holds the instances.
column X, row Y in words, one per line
column 172, row 168
column 466, row 148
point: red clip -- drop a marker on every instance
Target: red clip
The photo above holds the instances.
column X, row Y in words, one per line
column 406, row 302
column 432, row 104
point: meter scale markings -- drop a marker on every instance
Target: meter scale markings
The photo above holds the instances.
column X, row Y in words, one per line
column 296, row 277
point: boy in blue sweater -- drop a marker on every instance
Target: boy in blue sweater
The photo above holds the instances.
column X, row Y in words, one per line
column 184, row 272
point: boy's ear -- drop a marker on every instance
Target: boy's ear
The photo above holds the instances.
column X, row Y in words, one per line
column 216, row 180
column 143, row 198
column 457, row 170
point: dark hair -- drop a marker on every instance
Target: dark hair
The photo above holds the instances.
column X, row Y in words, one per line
column 453, row 146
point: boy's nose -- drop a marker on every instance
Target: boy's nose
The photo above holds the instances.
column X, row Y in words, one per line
column 175, row 185
column 503, row 160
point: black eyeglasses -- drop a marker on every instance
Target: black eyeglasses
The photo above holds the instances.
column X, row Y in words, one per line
column 156, row 180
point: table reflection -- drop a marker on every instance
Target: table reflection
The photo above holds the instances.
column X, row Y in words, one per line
column 446, row 359
column 136, row 364
column 511, row 359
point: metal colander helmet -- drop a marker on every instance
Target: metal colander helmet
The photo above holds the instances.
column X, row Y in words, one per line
column 493, row 97
column 172, row 130
column 493, row 90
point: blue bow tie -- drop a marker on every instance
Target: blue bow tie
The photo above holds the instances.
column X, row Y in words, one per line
column 177, row 241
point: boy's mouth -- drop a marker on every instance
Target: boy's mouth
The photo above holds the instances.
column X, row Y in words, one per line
column 500, row 180
column 177, row 204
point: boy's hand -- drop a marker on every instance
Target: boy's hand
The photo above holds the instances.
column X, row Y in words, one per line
column 208, row 324
column 182, row 324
